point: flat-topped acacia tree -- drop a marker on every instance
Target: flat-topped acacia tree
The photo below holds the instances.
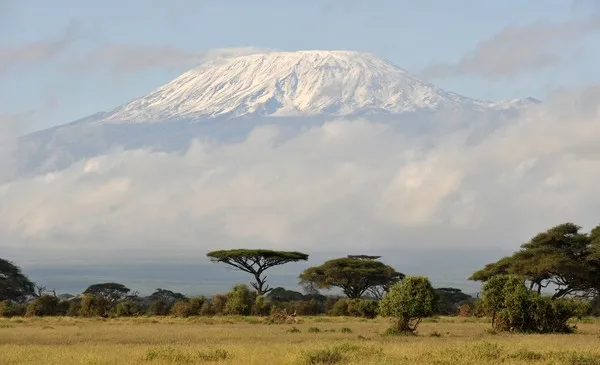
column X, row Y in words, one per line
column 255, row 262
column 355, row 275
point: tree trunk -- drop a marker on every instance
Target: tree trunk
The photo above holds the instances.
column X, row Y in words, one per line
column 260, row 286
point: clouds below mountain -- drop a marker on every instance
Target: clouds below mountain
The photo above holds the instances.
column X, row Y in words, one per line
column 345, row 186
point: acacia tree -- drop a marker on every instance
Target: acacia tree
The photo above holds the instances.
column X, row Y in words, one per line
column 562, row 256
column 256, row 262
column 167, row 296
column 354, row 276
column 111, row 293
column 14, row 285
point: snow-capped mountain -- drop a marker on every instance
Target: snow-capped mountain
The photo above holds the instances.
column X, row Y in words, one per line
column 226, row 98
column 304, row 83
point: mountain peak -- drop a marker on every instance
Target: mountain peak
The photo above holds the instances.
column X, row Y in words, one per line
column 311, row 82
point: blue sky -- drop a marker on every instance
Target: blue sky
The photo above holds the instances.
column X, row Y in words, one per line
column 54, row 68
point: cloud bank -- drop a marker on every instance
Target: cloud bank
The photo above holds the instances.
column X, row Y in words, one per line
column 348, row 186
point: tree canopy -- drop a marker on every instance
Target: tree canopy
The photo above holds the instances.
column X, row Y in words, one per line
column 14, row 285
column 110, row 292
column 167, row 296
column 256, row 262
column 354, row 276
column 562, row 256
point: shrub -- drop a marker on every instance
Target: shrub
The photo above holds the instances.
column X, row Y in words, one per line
column 487, row 351
column 322, row 357
column 465, row 310
column 63, row 307
column 527, row 355
column 408, row 302
column 128, row 308
column 159, row 307
column 74, row 307
column 181, row 308
column 45, row 305
column 340, row 308
column 196, row 305
column 218, row 303
column 207, row 309
column 513, row 307
column 179, row 356
column 240, row 301
column 300, row 307
column 261, row 307
column 365, row 308
column 92, row 305
column 11, row 309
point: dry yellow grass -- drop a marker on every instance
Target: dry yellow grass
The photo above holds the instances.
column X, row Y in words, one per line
column 152, row 341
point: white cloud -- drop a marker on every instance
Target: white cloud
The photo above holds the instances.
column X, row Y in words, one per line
column 347, row 186
column 517, row 50
column 125, row 59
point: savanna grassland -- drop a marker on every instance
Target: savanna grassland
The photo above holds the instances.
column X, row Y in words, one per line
column 315, row 340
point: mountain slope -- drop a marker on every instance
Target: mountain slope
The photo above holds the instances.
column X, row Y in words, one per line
column 293, row 90
column 304, row 83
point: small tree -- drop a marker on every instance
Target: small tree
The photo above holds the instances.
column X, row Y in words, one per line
column 256, row 262
column 354, row 276
column 409, row 302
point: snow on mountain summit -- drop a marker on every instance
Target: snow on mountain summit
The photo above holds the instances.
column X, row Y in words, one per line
column 291, row 84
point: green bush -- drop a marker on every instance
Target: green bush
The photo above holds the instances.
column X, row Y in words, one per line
column 159, row 307
column 207, row 309
column 408, row 302
column 182, row 308
column 219, row 303
column 128, row 308
column 365, row 308
column 340, row 308
column 92, row 305
column 11, row 309
column 240, row 301
column 261, row 307
column 73, row 307
column 196, row 304
column 513, row 307
column 45, row 305
column 300, row 307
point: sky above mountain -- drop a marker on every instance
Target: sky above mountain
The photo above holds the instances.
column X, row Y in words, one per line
column 440, row 204
column 67, row 59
